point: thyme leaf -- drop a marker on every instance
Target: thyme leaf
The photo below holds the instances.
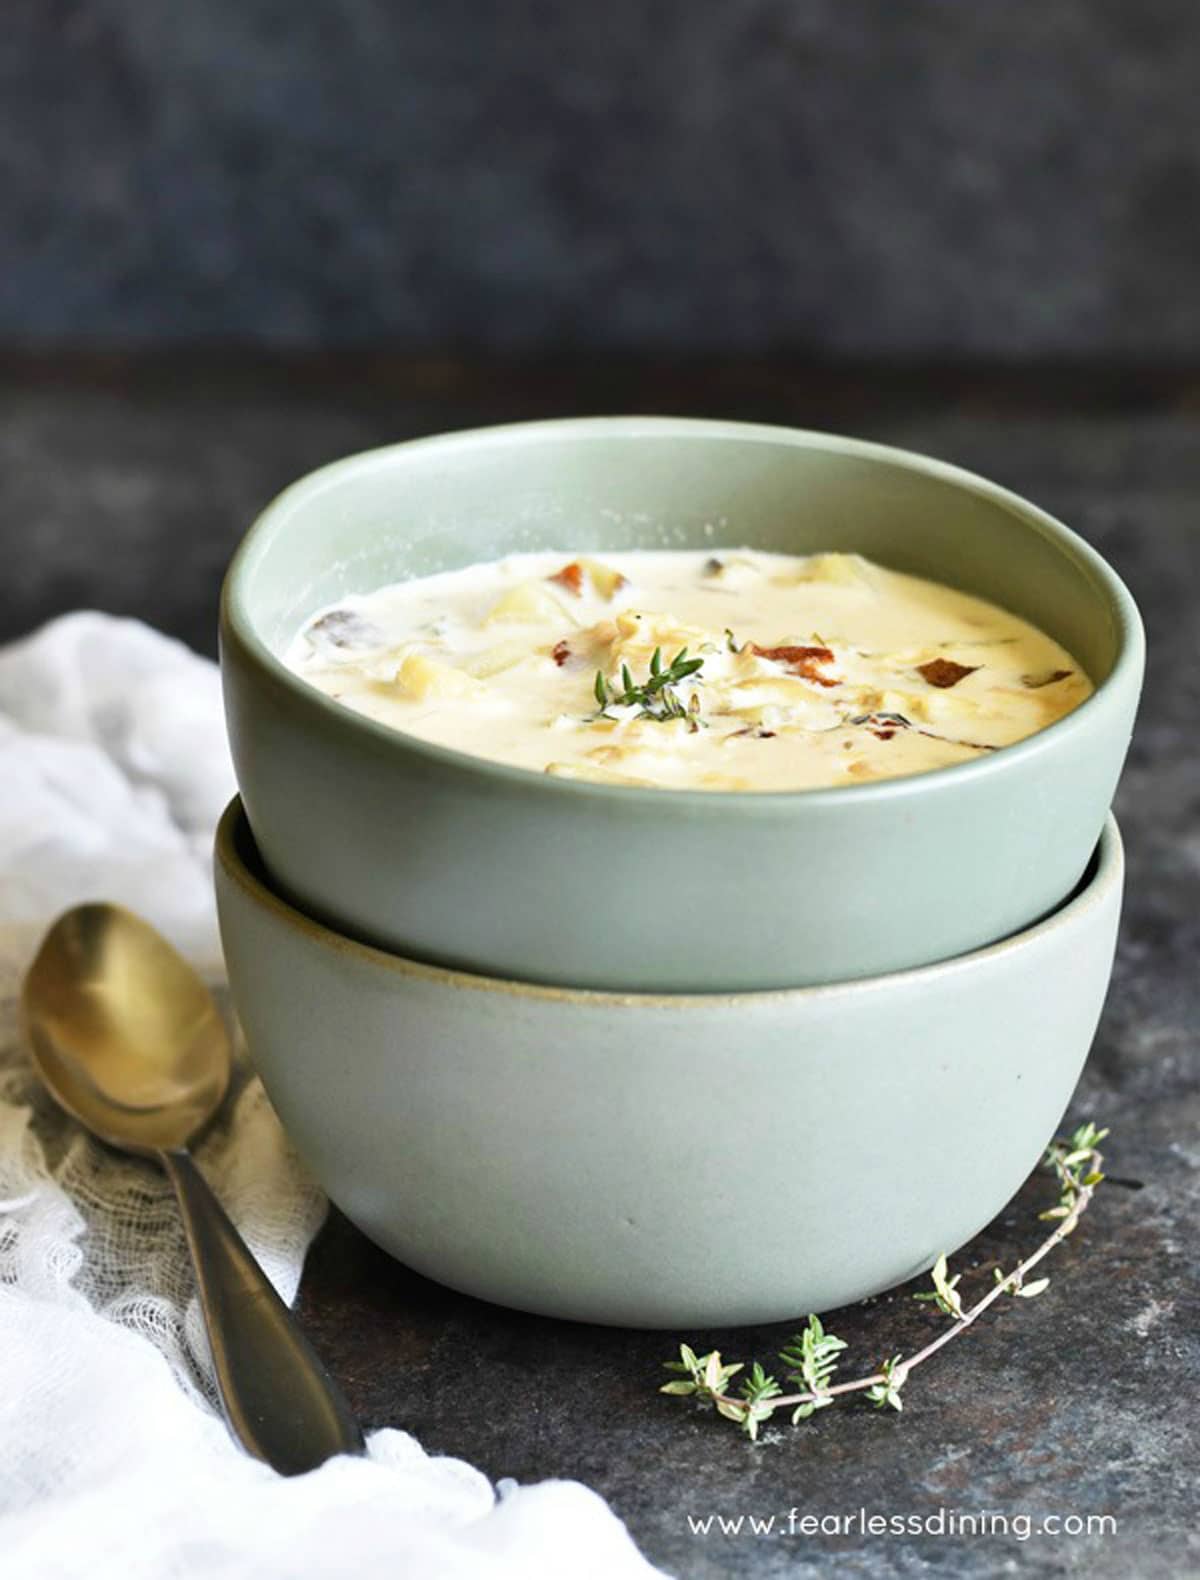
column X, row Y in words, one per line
column 656, row 696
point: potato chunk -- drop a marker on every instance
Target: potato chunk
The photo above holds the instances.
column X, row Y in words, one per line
column 604, row 578
column 531, row 603
column 842, row 570
column 423, row 678
column 495, row 660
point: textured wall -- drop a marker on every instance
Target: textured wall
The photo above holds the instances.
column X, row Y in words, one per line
column 978, row 177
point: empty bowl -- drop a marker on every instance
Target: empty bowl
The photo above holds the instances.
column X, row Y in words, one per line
column 447, row 857
column 657, row 1160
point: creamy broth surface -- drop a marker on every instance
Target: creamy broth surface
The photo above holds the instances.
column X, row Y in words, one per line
column 820, row 670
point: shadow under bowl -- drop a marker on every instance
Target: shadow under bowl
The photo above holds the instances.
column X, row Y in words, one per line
column 622, row 1158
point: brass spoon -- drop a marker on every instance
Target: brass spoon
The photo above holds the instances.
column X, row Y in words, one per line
column 128, row 1040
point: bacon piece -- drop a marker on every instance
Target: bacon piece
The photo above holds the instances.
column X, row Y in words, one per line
column 803, row 661
column 1036, row 682
column 885, row 725
column 570, row 577
column 603, row 578
column 944, row 672
column 560, row 653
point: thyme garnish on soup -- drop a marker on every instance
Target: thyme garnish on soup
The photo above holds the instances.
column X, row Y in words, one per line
column 656, row 697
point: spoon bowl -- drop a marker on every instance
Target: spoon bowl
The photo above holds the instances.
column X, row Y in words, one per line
column 123, row 1032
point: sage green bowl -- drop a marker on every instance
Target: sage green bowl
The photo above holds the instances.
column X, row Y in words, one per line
column 450, row 858
column 663, row 1161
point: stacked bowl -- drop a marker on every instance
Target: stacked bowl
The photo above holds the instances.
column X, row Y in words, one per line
column 580, row 1048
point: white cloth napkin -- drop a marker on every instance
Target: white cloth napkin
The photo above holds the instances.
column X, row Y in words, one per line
column 113, row 1461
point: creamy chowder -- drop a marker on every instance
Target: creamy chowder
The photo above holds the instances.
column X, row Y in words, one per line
column 731, row 670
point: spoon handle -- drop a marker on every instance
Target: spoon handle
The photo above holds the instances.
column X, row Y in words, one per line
column 279, row 1401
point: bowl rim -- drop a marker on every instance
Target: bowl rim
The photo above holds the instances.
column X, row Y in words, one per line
column 233, row 831
column 238, row 626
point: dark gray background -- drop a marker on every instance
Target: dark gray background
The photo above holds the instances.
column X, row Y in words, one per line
column 1011, row 178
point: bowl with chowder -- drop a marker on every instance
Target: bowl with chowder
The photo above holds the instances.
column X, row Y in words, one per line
column 644, row 704
column 599, row 1156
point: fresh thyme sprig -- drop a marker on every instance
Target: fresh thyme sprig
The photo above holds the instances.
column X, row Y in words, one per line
column 944, row 1293
column 812, row 1354
column 656, row 696
column 813, row 1357
column 1076, row 1164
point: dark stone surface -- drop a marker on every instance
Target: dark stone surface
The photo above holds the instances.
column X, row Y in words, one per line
column 125, row 484
column 925, row 178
